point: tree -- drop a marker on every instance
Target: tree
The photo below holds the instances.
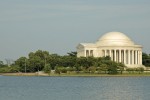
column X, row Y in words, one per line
column 78, row 67
column 72, row 54
column 121, row 67
column 130, row 70
column 47, row 69
column 82, row 61
column 38, row 60
column 103, row 67
column 140, row 70
column 36, row 64
column 146, row 59
column 12, row 69
column 112, row 69
column 54, row 60
column 86, row 61
column 60, row 69
column 22, row 63
column 92, row 69
column 67, row 61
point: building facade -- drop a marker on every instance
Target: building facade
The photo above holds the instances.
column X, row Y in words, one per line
column 117, row 45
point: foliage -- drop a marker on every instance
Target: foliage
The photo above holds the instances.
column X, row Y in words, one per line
column 42, row 60
column 67, row 61
column 12, row 69
column 92, row 69
column 60, row 69
column 146, row 59
column 47, row 68
column 54, row 60
column 121, row 67
column 72, row 54
column 103, row 67
column 140, row 70
column 135, row 70
column 113, row 69
column 22, row 63
column 130, row 70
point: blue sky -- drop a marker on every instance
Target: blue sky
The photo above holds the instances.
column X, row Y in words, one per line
column 58, row 26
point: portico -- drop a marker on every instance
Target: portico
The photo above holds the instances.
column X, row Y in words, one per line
column 117, row 46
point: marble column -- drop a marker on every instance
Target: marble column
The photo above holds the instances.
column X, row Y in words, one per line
column 105, row 53
column 87, row 53
column 114, row 55
column 141, row 57
column 129, row 62
column 120, row 55
column 132, row 58
column 110, row 54
column 124, row 56
column 117, row 55
column 136, row 56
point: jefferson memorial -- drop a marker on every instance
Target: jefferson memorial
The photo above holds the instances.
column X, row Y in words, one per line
column 117, row 45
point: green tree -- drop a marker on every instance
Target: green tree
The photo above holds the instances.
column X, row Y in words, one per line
column 92, row 69
column 113, row 69
column 47, row 68
column 60, row 69
column 86, row 61
column 22, row 63
column 103, row 67
column 12, row 69
column 36, row 64
column 54, row 60
column 38, row 60
column 72, row 54
column 130, row 70
column 140, row 70
column 146, row 59
column 121, row 67
column 67, row 61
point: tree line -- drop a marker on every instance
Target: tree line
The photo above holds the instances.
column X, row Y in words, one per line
column 44, row 61
column 146, row 59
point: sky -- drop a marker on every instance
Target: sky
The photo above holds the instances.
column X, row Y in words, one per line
column 58, row 26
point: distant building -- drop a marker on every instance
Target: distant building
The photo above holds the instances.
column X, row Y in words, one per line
column 116, row 45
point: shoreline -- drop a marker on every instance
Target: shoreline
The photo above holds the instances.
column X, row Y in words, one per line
column 76, row 75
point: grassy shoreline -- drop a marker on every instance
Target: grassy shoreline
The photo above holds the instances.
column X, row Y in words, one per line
column 77, row 75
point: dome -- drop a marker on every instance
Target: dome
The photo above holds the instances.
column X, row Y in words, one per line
column 115, row 39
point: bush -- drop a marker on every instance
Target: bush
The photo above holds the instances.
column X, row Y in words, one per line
column 112, row 69
column 130, row 70
column 60, row 69
column 92, row 69
column 12, row 69
column 140, row 70
column 137, row 70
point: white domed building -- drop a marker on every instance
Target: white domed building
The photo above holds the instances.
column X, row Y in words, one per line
column 116, row 45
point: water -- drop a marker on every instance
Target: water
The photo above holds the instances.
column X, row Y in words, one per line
column 74, row 88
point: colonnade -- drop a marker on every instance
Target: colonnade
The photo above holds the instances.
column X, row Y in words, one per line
column 89, row 53
column 128, row 57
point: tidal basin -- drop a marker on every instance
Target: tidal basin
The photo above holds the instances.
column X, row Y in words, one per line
column 74, row 88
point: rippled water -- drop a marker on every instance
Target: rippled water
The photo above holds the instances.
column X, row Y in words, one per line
column 74, row 88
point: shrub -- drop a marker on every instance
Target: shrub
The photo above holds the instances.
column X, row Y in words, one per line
column 12, row 69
